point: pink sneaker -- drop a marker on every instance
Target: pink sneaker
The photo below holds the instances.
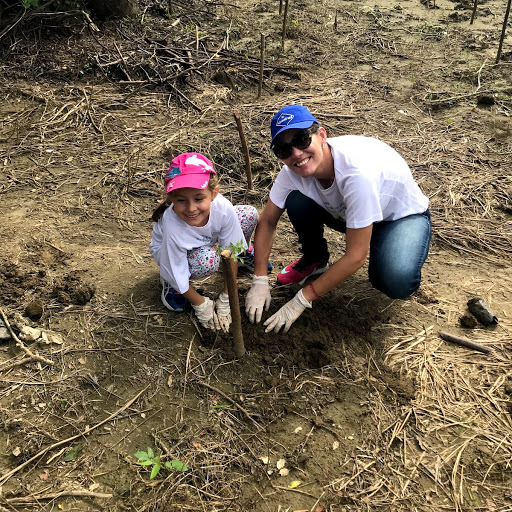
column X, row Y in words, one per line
column 298, row 271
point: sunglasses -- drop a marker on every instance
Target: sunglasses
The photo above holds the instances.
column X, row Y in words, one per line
column 301, row 140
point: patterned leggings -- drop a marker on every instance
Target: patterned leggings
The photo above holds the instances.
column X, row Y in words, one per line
column 204, row 261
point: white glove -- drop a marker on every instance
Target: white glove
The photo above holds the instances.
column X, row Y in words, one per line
column 223, row 311
column 258, row 297
column 288, row 313
column 206, row 315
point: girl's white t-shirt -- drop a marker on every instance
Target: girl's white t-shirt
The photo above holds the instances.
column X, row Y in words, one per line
column 372, row 183
column 172, row 238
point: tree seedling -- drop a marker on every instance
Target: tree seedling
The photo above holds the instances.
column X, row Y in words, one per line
column 149, row 459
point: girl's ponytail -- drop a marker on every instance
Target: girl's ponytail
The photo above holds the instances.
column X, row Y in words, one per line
column 159, row 211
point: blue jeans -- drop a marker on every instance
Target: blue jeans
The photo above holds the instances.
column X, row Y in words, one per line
column 398, row 249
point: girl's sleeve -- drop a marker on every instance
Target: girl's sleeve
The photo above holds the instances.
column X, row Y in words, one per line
column 174, row 265
column 156, row 241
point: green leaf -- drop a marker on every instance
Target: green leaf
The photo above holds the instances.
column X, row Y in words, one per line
column 179, row 466
column 73, row 453
column 155, row 471
column 220, row 406
column 156, row 459
column 145, row 463
column 150, row 453
column 141, row 455
column 168, row 465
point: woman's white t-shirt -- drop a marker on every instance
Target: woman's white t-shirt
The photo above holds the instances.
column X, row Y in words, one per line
column 372, row 183
column 172, row 238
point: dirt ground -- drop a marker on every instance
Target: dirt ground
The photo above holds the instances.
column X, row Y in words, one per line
column 361, row 405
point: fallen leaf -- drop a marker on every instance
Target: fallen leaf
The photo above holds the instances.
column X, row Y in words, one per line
column 335, row 445
column 197, row 446
column 281, row 463
column 297, row 430
column 16, row 451
column 44, row 475
column 264, row 460
column 169, row 381
column 320, row 508
column 294, row 484
column 284, row 471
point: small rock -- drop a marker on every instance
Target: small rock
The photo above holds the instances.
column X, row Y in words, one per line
column 5, row 335
column 468, row 321
column 29, row 334
column 481, row 311
column 34, row 310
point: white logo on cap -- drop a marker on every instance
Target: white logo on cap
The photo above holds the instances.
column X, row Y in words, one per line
column 194, row 160
column 284, row 119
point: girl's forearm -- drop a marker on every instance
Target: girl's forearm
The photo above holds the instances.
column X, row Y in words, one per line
column 193, row 296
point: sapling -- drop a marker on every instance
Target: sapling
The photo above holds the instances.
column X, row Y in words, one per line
column 148, row 458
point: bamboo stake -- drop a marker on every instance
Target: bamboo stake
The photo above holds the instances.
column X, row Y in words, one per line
column 262, row 61
column 229, row 269
column 245, row 148
column 475, row 4
column 505, row 21
column 283, row 35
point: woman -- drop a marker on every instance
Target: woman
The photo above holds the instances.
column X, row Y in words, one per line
column 356, row 185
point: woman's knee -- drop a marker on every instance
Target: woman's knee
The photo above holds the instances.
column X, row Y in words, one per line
column 396, row 283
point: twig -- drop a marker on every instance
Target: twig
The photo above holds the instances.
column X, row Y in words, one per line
column 7, row 476
column 187, row 362
column 465, row 342
column 54, row 495
column 221, row 393
column 19, row 343
column 283, row 34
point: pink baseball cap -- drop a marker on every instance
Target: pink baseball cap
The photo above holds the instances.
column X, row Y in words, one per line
column 188, row 170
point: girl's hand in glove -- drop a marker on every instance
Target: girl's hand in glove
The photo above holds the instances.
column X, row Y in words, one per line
column 223, row 311
column 258, row 297
column 206, row 315
column 288, row 313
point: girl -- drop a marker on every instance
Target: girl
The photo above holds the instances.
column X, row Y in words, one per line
column 357, row 185
column 185, row 234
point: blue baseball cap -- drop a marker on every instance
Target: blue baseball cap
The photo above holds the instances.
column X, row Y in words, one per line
column 291, row 116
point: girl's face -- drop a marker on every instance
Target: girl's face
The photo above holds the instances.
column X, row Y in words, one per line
column 192, row 205
column 309, row 161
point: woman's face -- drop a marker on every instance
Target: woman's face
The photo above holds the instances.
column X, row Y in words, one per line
column 309, row 161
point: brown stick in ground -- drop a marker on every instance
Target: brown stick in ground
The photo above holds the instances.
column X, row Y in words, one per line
column 248, row 172
column 234, row 304
column 465, row 342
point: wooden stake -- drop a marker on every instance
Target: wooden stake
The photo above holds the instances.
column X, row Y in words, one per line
column 234, row 304
column 283, row 35
column 505, row 21
column 280, row 7
column 248, row 172
column 262, row 61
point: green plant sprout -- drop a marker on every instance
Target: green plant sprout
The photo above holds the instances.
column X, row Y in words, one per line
column 235, row 249
column 29, row 3
column 149, row 459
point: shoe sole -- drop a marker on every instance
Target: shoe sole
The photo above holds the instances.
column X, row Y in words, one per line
column 315, row 272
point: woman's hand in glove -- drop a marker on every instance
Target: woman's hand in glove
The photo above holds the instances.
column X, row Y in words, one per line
column 223, row 311
column 258, row 297
column 206, row 315
column 288, row 313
